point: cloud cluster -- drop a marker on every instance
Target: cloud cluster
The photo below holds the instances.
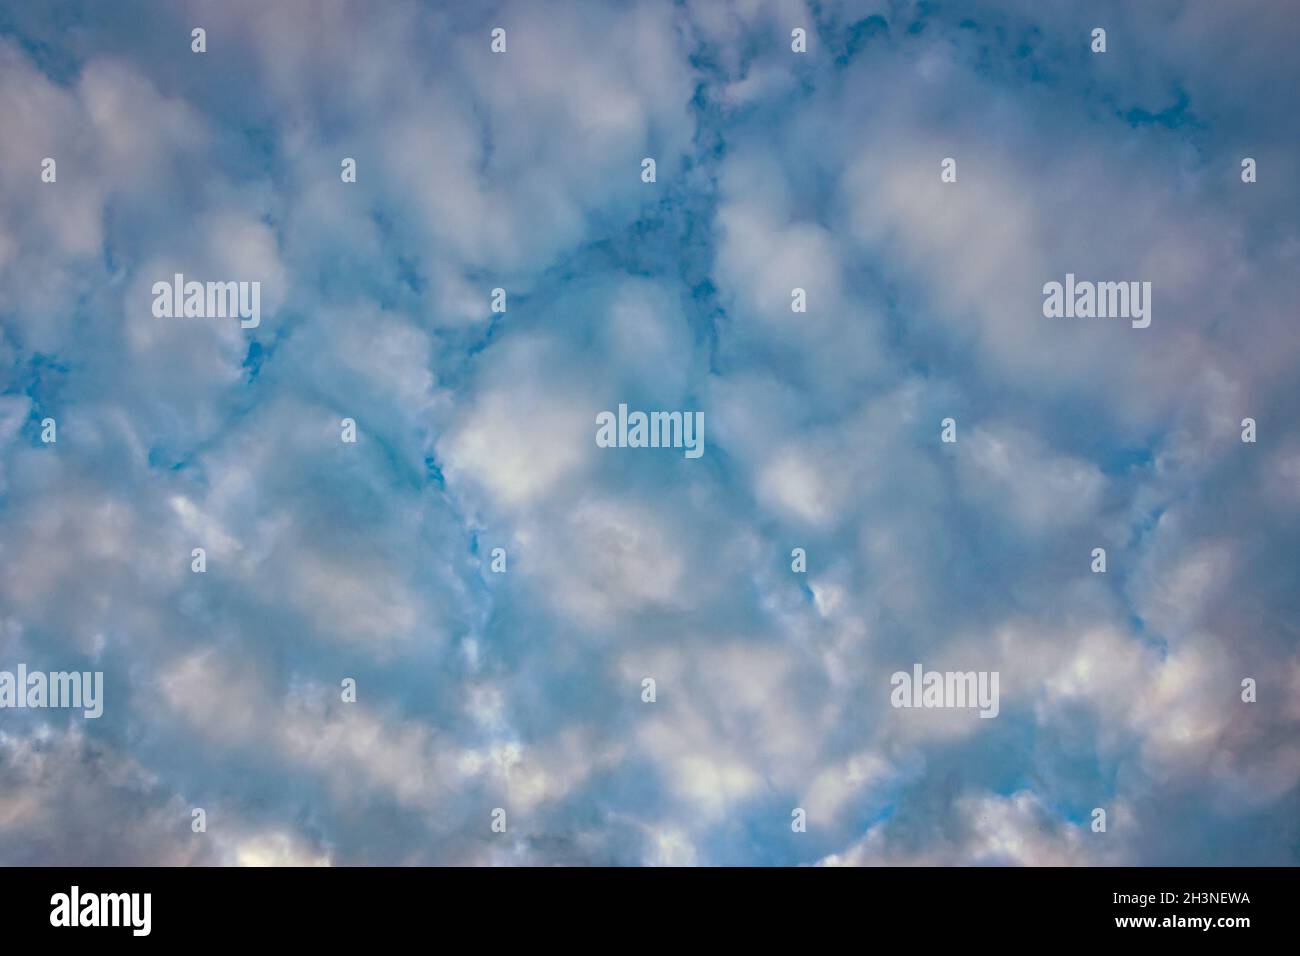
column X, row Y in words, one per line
column 523, row 690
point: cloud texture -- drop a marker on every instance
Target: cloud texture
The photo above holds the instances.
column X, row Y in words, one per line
column 522, row 690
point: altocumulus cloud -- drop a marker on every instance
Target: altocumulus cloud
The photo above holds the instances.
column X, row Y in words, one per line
column 523, row 690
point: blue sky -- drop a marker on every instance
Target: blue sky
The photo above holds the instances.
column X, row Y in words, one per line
column 522, row 690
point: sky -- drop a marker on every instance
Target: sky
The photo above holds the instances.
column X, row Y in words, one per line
column 523, row 690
